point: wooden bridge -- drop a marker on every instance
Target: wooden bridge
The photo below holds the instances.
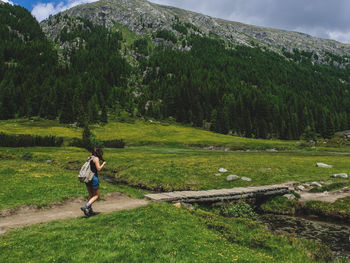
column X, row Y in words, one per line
column 220, row 194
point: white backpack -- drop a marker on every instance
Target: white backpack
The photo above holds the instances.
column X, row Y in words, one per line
column 85, row 174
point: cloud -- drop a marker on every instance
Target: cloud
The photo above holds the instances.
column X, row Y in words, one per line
column 321, row 18
column 42, row 11
column 7, row 1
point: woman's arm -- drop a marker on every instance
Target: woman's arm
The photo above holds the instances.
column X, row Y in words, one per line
column 96, row 160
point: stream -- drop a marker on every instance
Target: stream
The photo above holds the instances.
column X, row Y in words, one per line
column 335, row 236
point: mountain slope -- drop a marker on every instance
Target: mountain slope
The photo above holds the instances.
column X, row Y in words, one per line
column 143, row 17
column 92, row 73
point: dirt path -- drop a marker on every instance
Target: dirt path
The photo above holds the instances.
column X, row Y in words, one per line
column 65, row 210
column 329, row 197
column 112, row 202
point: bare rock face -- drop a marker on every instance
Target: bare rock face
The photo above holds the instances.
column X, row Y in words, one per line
column 143, row 17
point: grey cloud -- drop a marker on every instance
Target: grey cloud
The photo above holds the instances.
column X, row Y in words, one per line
column 322, row 18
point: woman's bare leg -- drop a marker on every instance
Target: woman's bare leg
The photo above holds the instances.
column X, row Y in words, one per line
column 95, row 196
column 91, row 192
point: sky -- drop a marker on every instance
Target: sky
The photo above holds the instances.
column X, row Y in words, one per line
column 321, row 18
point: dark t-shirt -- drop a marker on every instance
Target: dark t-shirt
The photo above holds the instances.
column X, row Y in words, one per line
column 93, row 167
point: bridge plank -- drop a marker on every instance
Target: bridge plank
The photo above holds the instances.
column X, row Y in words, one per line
column 218, row 194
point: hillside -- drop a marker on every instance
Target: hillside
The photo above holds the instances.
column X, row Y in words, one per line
column 143, row 17
column 91, row 72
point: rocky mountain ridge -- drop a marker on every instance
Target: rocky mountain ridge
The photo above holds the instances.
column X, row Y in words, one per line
column 143, row 17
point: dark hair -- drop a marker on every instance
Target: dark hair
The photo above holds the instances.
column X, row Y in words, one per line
column 98, row 153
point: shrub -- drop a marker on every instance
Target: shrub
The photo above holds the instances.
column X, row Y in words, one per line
column 167, row 35
column 26, row 140
column 180, row 28
column 141, row 46
column 240, row 209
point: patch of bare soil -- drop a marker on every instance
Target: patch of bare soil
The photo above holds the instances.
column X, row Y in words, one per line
column 29, row 215
column 324, row 197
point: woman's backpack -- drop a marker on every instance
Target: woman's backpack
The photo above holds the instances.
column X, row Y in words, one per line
column 85, row 174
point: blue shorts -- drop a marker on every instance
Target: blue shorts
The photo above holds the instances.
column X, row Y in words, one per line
column 93, row 183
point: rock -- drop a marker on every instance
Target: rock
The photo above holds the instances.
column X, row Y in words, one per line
column 246, row 179
column 217, row 174
column 49, row 161
column 180, row 204
column 300, row 187
column 341, row 175
column 289, row 196
column 316, row 184
column 346, row 190
column 232, row 177
column 323, row 165
column 222, row 170
column 325, row 192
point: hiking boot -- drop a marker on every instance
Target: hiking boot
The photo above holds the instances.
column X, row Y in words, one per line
column 91, row 212
column 85, row 210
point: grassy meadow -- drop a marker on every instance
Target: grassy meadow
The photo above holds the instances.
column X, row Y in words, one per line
column 155, row 233
column 44, row 178
column 50, row 174
column 157, row 157
column 143, row 133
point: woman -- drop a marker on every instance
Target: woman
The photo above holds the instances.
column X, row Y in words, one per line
column 93, row 186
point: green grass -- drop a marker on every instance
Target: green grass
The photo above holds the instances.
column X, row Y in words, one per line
column 143, row 133
column 339, row 209
column 160, row 158
column 195, row 169
column 280, row 204
column 155, row 233
column 331, row 187
column 35, row 182
column 158, row 168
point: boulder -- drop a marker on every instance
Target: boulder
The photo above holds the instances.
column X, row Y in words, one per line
column 341, row 175
column 232, row 177
column 289, row 196
column 323, row 165
column 300, row 188
column 246, row 179
column 316, row 184
column 222, row 170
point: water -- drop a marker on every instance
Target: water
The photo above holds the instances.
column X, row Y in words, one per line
column 335, row 236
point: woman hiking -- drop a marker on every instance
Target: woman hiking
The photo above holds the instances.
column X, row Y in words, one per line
column 93, row 186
